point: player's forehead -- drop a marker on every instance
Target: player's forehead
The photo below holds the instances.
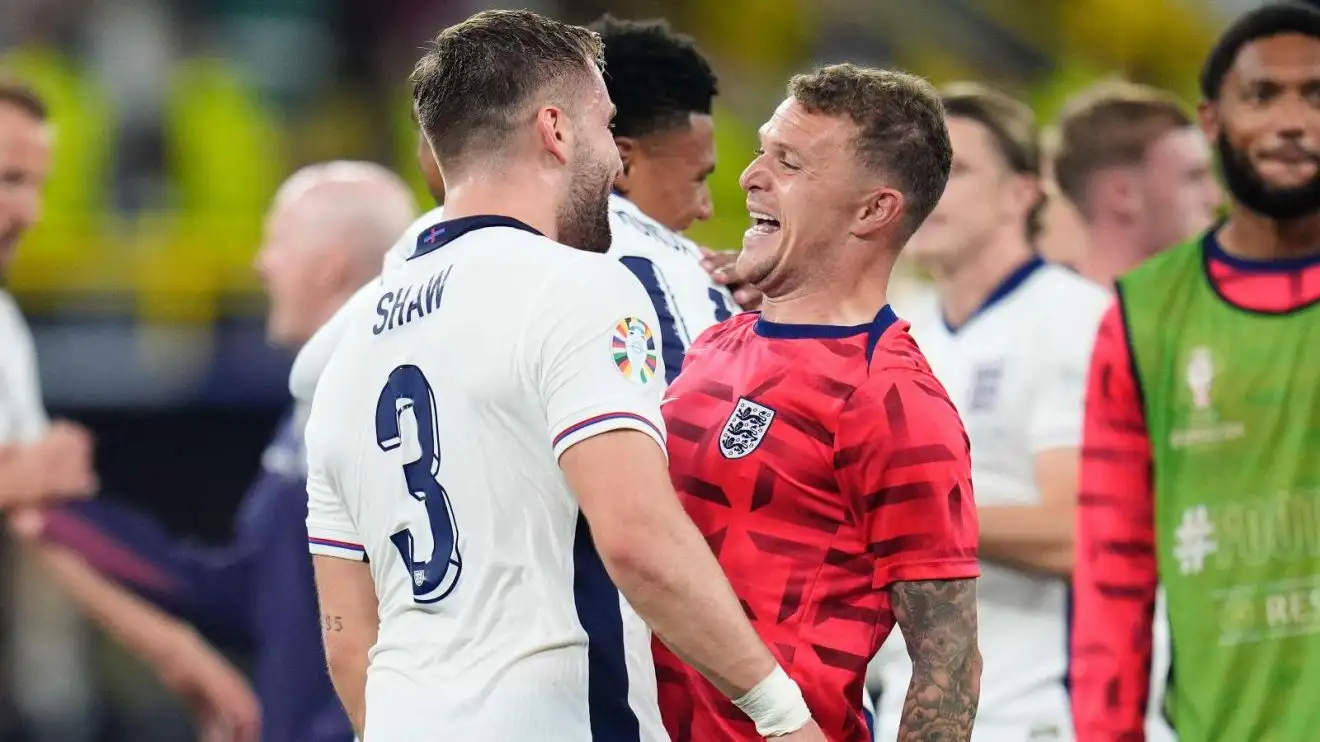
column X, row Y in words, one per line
column 597, row 94
column 694, row 141
column 971, row 139
column 792, row 127
column 19, row 128
column 1183, row 147
column 1283, row 59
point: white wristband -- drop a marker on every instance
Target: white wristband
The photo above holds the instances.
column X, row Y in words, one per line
column 776, row 705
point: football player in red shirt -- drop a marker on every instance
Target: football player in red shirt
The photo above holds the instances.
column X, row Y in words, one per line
column 810, row 442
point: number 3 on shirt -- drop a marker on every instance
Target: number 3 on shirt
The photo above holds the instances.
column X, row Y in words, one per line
column 406, row 419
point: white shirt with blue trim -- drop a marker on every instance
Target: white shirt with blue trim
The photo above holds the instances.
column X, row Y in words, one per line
column 687, row 302
column 433, row 446
column 668, row 265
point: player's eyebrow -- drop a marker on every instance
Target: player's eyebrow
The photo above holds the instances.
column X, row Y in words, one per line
column 776, row 147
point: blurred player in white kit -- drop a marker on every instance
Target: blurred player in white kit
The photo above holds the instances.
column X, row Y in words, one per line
column 485, row 442
column 1010, row 338
column 40, row 461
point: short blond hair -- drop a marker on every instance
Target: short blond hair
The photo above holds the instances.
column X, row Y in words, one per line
column 1110, row 124
column 900, row 126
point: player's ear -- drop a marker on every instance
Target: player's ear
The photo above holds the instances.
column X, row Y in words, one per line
column 331, row 270
column 1027, row 192
column 552, row 127
column 1115, row 191
column 628, row 152
column 882, row 210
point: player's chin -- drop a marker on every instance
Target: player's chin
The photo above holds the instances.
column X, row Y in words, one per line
column 761, row 241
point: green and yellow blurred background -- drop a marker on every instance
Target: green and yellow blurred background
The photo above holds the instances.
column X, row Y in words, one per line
column 177, row 120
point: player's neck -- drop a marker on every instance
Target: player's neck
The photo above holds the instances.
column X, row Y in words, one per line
column 504, row 195
column 1254, row 237
column 837, row 295
column 966, row 287
column 1111, row 250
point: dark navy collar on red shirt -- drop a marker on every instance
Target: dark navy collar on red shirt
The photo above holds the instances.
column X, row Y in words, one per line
column 1215, row 252
column 1005, row 289
column 873, row 329
column 442, row 233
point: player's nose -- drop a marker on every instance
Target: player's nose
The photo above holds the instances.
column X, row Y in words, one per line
column 753, row 176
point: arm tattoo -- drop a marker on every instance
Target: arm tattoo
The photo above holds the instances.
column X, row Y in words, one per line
column 938, row 619
column 331, row 623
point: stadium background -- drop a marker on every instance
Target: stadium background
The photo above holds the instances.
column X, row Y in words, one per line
column 177, row 119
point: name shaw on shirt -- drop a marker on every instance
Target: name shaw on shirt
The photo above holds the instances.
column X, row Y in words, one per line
column 405, row 304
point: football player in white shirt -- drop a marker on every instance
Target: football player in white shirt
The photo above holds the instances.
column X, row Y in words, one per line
column 664, row 89
column 486, row 441
column 38, row 460
column 1010, row 338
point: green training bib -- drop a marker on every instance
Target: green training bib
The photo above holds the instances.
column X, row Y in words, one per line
column 1232, row 403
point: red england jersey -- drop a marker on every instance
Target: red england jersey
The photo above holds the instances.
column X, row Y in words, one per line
column 1115, row 579
column 823, row 464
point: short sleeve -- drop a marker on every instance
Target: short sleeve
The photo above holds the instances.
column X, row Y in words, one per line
column 24, row 417
column 598, row 358
column 1060, row 389
column 330, row 527
column 902, row 458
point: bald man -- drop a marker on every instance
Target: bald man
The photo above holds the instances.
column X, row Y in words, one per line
column 325, row 237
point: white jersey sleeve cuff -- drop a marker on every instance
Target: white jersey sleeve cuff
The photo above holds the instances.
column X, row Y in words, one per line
column 334, row 544
column 592, row 425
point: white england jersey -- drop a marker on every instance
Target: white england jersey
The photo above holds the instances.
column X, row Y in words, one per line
column 433, row 447
column 686, row 300
column 22, row 414
column 1017, row 373
column 668, row 265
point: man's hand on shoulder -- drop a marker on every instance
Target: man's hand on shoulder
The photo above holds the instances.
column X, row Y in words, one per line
column 938, row 619
column 723, row 269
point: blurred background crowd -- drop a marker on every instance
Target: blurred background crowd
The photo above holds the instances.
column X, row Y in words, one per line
column 176, row 121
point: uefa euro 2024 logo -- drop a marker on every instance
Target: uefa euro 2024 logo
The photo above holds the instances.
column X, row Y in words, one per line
column 634, row 350
column 1200, row 375
column 1202, row 424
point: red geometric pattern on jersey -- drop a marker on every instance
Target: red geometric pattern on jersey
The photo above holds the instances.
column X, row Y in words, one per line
column 1115, row 578
column 861, row 479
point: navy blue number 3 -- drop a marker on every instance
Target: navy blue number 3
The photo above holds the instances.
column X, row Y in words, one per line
column 405, row 417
